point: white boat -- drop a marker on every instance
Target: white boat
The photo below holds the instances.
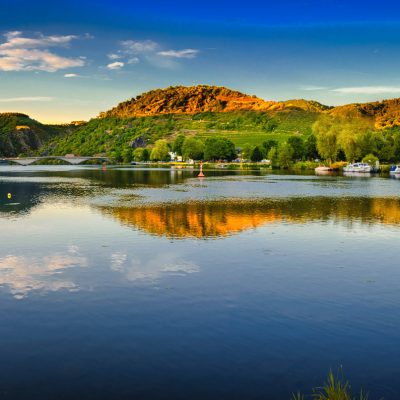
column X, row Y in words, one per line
column 358, row 167
column 323, row 170
column 395, row 170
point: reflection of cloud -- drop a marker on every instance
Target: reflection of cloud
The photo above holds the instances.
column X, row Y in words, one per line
column 151, row 269
column 117, row 261
column 25, row 274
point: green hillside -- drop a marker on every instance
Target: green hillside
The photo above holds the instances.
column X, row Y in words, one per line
column 113, row 134
column 200, row 112
column 20, row 134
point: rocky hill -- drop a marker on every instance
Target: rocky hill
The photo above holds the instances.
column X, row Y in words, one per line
column 203, row 98
column 385, row 114
column 200, row 99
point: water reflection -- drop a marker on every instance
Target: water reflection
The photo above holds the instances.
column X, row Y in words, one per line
column 208, row 219
column 23, row 274
column 133, row 268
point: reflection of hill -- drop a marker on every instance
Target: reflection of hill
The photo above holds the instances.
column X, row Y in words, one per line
column 223, row 218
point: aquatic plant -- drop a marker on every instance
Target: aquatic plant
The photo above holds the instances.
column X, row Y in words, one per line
column 335, row 388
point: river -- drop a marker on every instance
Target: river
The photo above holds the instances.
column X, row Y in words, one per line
column 135, row 283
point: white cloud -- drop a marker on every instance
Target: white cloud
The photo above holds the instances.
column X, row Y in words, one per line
column 19, row 53
column 135, row 51
column 115, row 65
column 71, row 76
column 139, row 46
column 185, row 53
column 25, row 99
column 312, row 88
column 368, row 90
column 113, row 56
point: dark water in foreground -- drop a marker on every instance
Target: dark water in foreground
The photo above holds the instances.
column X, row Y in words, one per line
column 151, row 284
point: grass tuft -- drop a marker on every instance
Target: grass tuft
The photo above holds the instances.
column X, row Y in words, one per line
column 335, row 388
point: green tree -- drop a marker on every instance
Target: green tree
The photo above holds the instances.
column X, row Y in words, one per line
column 256, row 154
column 141, row 154
column 269, row 144
column 246, row 151
column 310, row 148
column 297, row 144
column 285, row 155
column 160, row 151
column 177, row 144
column 370, row 159
column 127, row 155
column 351, row 137
column 326, row 129
column 219, row 149
column 271, row 125
column 273, row 156
column 193, row 148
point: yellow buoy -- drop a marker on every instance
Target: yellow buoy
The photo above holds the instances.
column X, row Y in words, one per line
column 9, row 195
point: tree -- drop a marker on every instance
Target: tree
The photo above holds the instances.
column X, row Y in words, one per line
column 285, row 155
column 219, row 149
column 246, row 151
column 370, row 159
column 193, row 148
column 326, row 131
column 271, row 125
column 273, row 156
column 177, row 144
column 256, row 154
column 269, row 144
column 350, row 138
column 310, row 148
column 127, row 155
column 141, row 154
column 297, row 144
column 160, row 151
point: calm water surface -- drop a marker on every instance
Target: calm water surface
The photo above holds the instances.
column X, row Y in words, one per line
column 153, row 284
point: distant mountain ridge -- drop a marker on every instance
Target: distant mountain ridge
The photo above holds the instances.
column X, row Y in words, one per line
column 200, row 99
column 204, row 98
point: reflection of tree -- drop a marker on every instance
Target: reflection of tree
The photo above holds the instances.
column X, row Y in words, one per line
column 223, row 218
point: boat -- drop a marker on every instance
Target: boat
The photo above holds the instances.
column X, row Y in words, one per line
column 358, row 167
column 322, row 169
column 395, row 170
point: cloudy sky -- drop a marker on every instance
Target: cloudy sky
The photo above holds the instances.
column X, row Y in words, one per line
column 68, row 60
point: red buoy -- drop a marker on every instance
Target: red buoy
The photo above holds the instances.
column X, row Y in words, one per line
column 201, row 175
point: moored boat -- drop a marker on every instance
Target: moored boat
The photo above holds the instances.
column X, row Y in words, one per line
column 323, row 170
column 358, row 167
column 395, row 170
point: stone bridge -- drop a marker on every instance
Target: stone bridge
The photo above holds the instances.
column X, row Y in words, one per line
column 75, row 160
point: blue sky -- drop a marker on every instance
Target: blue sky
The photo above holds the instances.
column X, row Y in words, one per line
column 69, row 60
